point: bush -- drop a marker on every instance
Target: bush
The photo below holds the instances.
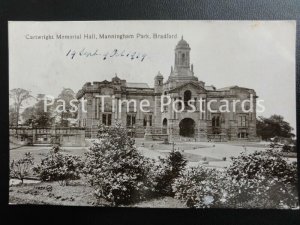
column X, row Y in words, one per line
column 269, row 164
column 20, row 169
column 116, row 170
column 263, row 179
column 289, row 148
column 55, row 148
column 167, row 171
column 258, row 180
column 59, row 167
column 200, row 187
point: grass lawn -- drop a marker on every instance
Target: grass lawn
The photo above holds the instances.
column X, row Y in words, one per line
column 40, row 152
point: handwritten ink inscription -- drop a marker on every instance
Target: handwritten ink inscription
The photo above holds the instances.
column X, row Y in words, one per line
column 132, row 55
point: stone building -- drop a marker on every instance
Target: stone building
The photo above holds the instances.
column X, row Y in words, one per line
column 181, row 87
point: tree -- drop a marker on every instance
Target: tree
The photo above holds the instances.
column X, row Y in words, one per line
column 63, row 106
column 274, row 126
column 19, row 96
column 36, row 115
column 12, row 116
column 28, row 115
column 43, row 118
column 20, row 168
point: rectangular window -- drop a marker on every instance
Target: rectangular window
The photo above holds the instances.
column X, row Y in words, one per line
column 130, row 120
column 150, row 120
column 109, row 120
column 106, row 119
column 242, row 121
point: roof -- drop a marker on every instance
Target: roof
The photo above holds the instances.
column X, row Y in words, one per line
column 182, row 44
column 210, row 88
column 137, row 85
column 185, row 84
column 231, row 87
column 159, row 75
column 227, row 88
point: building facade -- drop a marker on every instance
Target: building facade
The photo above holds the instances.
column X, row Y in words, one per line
column 183, row 118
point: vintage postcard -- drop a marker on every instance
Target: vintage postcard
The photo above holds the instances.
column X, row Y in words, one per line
column 161, row 114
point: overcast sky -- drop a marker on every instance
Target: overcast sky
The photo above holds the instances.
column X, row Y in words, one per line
column 253, row 54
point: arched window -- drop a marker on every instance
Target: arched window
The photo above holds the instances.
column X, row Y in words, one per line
column 165, row 122
column 182, row 58
column 187, row 96
column 165, row 126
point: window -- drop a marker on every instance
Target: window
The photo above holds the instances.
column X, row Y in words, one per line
column 150, row 120
column 215, row 121
column 145, row 121
column 165, row 122
column 243, row 134
column 106, row 119
column 130, row 120
column 165, row 126
column 182, row 58
column 187, row 96
column 242, row 121
column 179, row 104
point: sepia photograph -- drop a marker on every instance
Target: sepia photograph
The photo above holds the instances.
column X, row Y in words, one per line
column 153, row 114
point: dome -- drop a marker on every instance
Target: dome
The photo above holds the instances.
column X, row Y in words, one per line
column 159, row 76
column 116, row 79
column 182, row 44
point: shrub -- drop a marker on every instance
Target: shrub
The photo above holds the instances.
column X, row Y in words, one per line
column 289, row 148
column 263, row 179
column 269, row 164
column 200, row 187
column 167, row 171
column 20, row 169
column 116, row 170
column 59, row 167
column 258, row 180
column 55, row 148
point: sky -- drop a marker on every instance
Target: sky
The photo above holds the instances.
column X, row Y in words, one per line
column 255, row 54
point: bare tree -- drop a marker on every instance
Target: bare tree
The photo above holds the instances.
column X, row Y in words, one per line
column 19, row 95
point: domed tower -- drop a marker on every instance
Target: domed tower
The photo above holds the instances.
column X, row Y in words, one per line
column 183, row 70
column 182, row 54
column 158, row 83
